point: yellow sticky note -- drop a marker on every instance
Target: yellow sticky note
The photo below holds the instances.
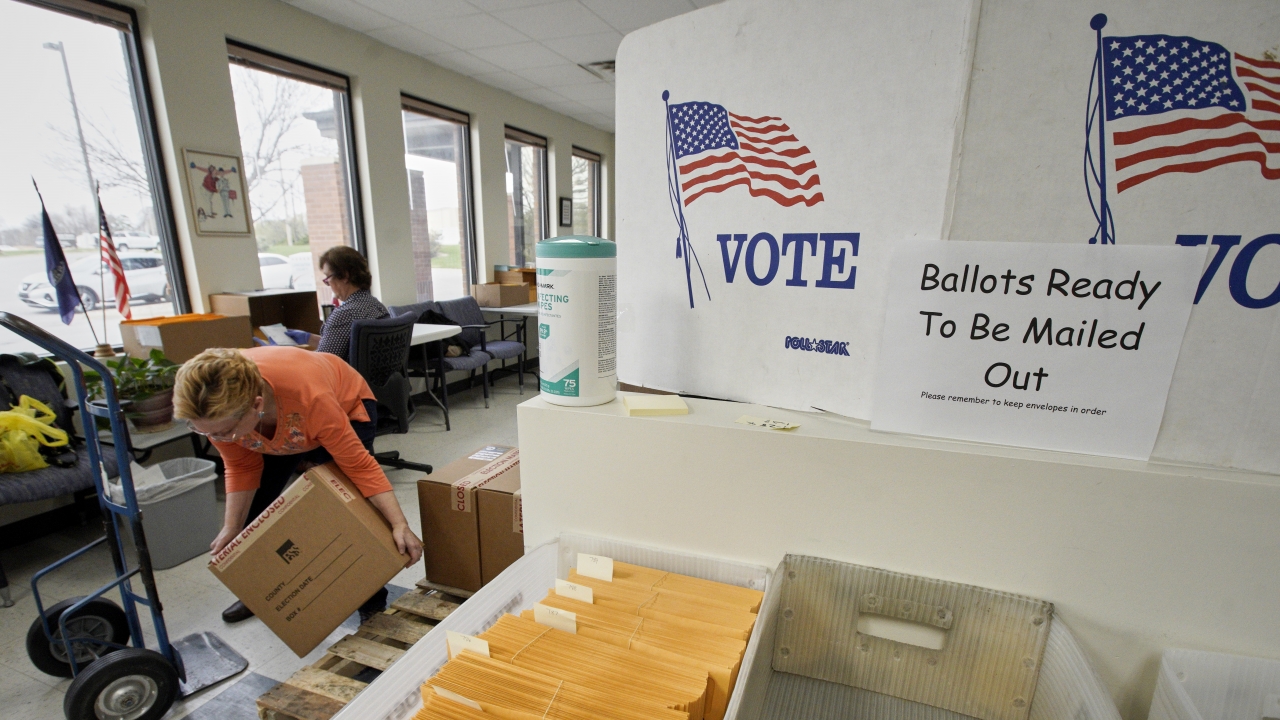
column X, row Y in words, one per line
column 655, row 405
column 763, row 423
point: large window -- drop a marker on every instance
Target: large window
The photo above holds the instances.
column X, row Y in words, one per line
column 295, row 133
column 77, row 116
column 526, row 194
column 438, row 166
column 586, row 192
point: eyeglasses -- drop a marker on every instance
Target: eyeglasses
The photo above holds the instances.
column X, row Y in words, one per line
column 326, row 278
column 229, row 436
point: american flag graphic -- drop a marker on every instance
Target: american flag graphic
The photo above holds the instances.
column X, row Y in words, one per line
column 112, row 262
column 716, row 150
column 1181, row 105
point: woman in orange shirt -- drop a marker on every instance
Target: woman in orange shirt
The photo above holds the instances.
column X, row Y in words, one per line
column 274, row 411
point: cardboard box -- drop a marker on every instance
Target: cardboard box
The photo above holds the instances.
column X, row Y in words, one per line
column 515, row 276
column 310, row 559
column 182, row 337
column 499, row 295
column 472, row 522
column 295, row 309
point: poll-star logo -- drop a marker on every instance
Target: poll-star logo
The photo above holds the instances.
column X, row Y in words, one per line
column 1177, row 104
column 710, row 150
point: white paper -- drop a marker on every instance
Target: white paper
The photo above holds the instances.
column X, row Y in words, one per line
column 276, row 333
column 556, row 618
column 148, row 335
column 574, row 591
column 595, row 566
column 458, row 642
column 455, row 697
column 1053, row 346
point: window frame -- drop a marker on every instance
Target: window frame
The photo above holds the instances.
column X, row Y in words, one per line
column 527, row 138
column 597, row 217
column 262, row 60
column 125, row 19
column 415, row 104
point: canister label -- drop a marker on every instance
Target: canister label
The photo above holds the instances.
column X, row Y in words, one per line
column 577, row 328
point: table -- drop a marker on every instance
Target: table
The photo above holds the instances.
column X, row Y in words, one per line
column 424, row 333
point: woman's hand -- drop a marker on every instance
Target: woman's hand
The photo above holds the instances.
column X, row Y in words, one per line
column 407, row 543
column 227, row 534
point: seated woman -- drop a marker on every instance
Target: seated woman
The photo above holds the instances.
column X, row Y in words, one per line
column 346, row 272
column 275, row 411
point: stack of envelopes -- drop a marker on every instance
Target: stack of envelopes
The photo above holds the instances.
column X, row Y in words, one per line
column 650, row 645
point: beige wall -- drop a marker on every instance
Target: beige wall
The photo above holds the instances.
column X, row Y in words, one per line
column 185, row 48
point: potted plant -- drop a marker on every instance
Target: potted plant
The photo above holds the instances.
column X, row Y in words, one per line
column 144, row 387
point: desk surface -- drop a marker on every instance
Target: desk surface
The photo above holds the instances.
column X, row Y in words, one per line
column 528, row 309
column 425, row 333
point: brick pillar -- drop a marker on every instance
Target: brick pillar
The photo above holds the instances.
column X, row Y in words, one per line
column 420, row 235
column 328, row 218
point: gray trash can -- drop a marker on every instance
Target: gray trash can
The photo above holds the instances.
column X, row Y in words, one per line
column 180, row 513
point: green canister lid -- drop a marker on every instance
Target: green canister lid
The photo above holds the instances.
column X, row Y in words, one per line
column 576, row 246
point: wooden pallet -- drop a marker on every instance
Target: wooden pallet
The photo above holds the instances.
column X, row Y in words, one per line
column 320, row 690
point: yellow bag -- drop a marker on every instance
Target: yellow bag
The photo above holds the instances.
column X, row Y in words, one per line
column 23, row 429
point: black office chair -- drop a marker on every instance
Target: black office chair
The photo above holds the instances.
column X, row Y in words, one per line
column 380, row 352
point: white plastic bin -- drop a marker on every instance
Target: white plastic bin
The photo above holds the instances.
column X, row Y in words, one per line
column 179, row 507
column 1196, row 685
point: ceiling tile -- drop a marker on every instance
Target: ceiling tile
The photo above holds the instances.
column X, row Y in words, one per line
column 558, row 75
column 587, row 48
column 500, row 5
column 627, row 15
column 599, row 90
column 520, row 57
column 472, row 31
column 504, row 80
column 418, row 11
column 705, row 3
column 411, row 40
column 346, row 14
column 603, row 106
column 540, row 95
column 561, row 19
column 463, row 62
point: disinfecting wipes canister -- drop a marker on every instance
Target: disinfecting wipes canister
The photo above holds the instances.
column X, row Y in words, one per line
column 577, row 320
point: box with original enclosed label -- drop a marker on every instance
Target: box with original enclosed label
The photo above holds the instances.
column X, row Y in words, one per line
column 310, row 559
column 472, row 526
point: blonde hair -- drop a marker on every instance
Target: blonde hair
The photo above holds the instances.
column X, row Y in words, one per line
column 216, row 384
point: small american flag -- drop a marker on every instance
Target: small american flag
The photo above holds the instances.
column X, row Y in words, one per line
column 716, row 150
column 112, row 261
column 1178, row 107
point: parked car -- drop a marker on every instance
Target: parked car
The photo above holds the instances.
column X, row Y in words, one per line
column 129, row 240
column 145, row 273
column 276, row 272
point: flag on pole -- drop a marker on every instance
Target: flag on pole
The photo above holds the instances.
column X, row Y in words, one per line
column 55, row 264
column 112, row 262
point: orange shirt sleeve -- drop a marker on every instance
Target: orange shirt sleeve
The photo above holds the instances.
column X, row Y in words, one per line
column 334, row 432
column 244, row 466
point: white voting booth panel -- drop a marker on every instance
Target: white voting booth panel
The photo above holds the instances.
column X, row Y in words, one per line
column 1136, row 556
column 396, row 694
column 941, row 120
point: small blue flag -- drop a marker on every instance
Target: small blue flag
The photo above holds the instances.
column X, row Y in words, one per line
column 55, row 264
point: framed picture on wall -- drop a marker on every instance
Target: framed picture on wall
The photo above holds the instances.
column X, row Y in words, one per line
column 219, row 201
column 566, row 212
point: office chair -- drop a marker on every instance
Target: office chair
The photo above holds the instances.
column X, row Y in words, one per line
column 380, row 352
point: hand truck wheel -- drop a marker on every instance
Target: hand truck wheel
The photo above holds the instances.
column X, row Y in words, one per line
column 100, row 620
column 131, row 684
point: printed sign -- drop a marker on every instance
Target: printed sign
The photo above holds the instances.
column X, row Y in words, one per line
column 1062, row 347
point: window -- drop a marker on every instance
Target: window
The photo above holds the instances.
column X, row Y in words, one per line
column 295, row 133
column 438, row 164
column 80, row 117
column 586, row 192
column 526, row 194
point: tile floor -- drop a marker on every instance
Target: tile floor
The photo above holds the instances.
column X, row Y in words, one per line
column 193, row 599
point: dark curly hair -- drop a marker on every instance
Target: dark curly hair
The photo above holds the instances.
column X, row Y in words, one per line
column 349, row 265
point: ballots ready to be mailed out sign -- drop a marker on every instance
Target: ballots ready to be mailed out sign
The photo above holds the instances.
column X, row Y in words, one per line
column 1053, row 346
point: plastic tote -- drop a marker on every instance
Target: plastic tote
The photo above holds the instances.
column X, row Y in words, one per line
column 179, row 505
column 1197, row 685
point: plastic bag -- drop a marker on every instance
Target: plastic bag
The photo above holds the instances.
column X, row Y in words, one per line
column 23, row 429
column 165, row 480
